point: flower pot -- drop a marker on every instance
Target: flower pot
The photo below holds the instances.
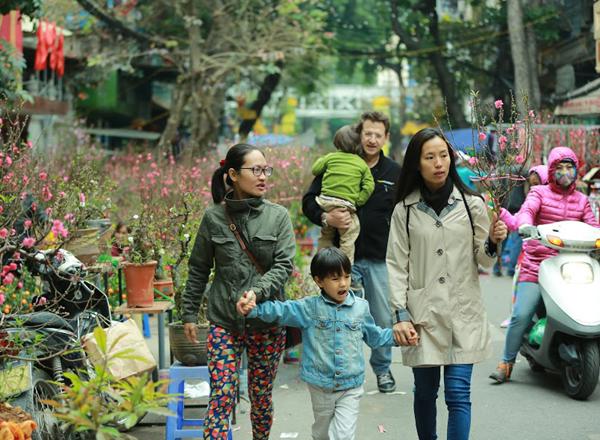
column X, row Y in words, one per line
column 139, row 280
column 183, row 350
column 165, row 287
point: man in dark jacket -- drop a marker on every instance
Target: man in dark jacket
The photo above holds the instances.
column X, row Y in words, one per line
column 370, row 248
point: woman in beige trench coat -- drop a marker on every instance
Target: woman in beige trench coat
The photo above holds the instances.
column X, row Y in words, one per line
column 440, row 233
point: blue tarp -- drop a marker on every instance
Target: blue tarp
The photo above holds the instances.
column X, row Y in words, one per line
column 463, row 138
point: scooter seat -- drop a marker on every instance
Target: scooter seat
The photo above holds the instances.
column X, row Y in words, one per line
column 44, row 320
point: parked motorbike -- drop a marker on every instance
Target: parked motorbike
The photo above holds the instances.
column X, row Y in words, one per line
column 570, row 288
column 68, row 308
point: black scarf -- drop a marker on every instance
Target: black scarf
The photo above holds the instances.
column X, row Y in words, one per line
column 438, row 200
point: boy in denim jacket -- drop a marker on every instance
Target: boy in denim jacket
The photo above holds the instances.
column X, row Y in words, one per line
column 334, row 324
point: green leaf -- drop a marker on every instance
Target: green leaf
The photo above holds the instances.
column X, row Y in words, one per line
column 100, row 336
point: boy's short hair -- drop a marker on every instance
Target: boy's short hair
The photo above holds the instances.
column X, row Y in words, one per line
column 330, row 261
column 347, row 139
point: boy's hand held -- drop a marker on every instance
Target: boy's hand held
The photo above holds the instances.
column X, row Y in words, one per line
column 246, row 303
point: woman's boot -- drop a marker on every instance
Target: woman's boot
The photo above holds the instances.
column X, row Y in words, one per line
column 502, row 373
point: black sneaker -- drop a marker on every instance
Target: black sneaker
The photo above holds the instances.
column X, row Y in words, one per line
column 386, row 382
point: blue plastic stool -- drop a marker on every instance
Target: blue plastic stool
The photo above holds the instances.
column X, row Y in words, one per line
column 178, row 374
column 146, row 326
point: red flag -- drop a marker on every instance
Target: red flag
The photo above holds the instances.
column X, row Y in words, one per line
column 41, row 51
column 59, row 55
column 10, row 29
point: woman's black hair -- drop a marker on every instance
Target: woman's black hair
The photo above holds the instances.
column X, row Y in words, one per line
column 119, row 225
column 236, row 156
column 410, row 177
column 330, row 262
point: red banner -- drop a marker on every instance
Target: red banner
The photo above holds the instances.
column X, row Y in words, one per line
column 10, row 29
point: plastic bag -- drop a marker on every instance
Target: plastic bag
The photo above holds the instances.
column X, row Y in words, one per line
column 536, row 335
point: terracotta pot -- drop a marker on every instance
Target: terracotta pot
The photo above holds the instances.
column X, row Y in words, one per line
column 184, row 351
column 139, row 280
column 165, row 287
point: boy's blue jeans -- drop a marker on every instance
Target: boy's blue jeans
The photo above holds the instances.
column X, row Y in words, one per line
column 457, row 391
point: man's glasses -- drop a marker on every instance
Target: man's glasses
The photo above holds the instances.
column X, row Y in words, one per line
column 257, row 171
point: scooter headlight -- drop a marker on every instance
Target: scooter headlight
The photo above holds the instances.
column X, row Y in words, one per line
column 577, row 273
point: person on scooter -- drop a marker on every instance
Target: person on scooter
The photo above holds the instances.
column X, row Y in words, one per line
column 557, row 201
column 538, row 175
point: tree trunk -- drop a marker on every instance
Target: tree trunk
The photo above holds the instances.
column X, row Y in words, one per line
column 267, row 87
column 448, row 89
column 535, row 100
column 180, row 98
column 518, row 47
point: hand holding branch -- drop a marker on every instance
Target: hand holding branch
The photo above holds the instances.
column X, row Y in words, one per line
column 498, row 230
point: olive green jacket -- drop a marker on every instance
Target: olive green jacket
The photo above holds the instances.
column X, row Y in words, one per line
column 268, row 230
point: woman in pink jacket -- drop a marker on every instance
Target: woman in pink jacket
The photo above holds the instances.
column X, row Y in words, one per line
column 544, row 204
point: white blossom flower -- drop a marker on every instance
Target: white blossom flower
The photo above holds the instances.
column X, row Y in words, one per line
column 130, row 239
column 135, row 217
column 186, row 236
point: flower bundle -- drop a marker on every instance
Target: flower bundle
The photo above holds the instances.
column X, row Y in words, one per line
column 502, row 149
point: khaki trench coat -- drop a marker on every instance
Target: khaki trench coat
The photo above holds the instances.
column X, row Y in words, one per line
column 436, row 280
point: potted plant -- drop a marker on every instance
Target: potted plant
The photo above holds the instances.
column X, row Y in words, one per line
column 184, row 221
column 140, row 261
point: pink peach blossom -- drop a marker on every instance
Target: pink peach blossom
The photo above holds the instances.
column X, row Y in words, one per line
column 8, row 279
column 482, row 136
column 498, row 104
column 28, row 242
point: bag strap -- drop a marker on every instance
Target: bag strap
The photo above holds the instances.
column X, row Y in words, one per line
column 407, row 209
column 243, row 244
column 468, row 212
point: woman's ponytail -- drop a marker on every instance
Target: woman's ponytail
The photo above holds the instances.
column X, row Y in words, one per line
column 218, row 189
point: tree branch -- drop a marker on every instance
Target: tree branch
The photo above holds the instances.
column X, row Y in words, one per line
column 117, row 25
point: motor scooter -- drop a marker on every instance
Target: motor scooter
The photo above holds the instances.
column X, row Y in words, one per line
column 51, row 335
column 570, row 288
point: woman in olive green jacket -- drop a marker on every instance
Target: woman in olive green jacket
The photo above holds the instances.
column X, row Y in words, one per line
column 266, row 230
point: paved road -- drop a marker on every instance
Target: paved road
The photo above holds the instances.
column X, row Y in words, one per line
column 532, row 406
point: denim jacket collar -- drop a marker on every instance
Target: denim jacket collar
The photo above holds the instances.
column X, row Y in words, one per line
column 349, row 301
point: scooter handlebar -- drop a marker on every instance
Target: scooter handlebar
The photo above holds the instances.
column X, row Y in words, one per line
column 529, row 231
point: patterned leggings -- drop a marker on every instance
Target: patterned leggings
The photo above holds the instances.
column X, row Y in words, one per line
column 225, row 348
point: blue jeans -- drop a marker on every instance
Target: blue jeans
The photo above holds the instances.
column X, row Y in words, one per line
column 457, row 392
column 373, row 276
column 511, row 248
column 528, row 298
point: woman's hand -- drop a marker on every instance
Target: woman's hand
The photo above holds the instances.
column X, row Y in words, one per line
column 405, row 334
column 498, row 230
column 191, row 332
column 246, row 303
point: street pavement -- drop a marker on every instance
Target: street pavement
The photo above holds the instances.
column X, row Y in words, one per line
column 531, row 406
